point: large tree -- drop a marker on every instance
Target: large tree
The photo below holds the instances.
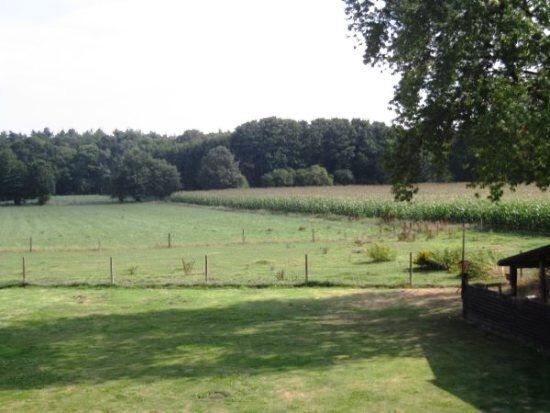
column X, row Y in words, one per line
column 474, row 72
column 219, row 170
column 13, row 174
column 40, row 181
column 139, row 176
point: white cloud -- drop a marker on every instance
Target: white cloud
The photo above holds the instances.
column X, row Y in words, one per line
column 169, row 65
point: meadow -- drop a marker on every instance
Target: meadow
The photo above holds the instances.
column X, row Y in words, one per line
column 70, row 341
column 74, row 238
column 257, row 350
column 527, row 208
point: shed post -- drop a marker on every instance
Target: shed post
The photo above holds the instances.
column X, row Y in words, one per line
column 464, row 292
column 514, row 280
column 543, row 285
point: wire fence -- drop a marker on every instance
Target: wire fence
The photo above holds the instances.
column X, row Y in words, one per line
column 216, row 268
column 245, row 260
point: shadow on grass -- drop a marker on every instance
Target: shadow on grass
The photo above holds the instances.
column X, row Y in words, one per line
column 262, row 336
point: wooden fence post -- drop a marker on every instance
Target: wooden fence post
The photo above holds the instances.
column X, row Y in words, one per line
column 463, row 249
column 306, row 269
column 312, row 234
column 111, row 270
column 30, row 244
column 410, row 269
column 169, row 240
column 521, row 269
column 206, row 269
column 514, row 281
column 543, row 284
column 243, row 239
column 24, row 271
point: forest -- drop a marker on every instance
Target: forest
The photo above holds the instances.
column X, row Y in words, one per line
column 265, row 152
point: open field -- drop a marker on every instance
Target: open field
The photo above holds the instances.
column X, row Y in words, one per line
column 428, row 192
column 249, row 350
column 526, row 209
column 74, row 238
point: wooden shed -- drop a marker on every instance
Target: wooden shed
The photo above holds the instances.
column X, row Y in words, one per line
column 526, row 319
column 537, row 258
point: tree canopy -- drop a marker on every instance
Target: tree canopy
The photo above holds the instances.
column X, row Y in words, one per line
column 267, row 152
column 219, row 170
column 474, row 77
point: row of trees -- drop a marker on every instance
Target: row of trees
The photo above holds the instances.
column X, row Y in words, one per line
column 266, row 152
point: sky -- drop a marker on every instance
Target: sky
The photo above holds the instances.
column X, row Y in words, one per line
column 171, row 65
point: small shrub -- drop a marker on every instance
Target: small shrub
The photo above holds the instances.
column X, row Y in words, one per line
column 324, row 250
column 343, row 177
column 187, row 266
column 423, row 258
column 430, row 233
column 380, row 253
column 279, row 177
column 133, row 270
column 406, row 235
column 480, row 263
column 301, row 228
column 446, row 259
column 315, row 175
column 280, row 275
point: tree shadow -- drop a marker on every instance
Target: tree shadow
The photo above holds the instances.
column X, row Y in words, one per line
column 258, row 337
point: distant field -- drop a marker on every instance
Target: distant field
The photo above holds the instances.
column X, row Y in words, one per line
column 74, row 237
column 427, row 192
column 250, row 350
column 526, row 209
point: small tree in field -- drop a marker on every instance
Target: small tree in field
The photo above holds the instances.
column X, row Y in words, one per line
column 219, row 170
column 40, row 182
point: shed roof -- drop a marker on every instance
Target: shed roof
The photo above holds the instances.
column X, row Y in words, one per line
column 528, row 259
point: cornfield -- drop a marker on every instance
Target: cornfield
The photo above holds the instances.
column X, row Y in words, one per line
column 528, row 214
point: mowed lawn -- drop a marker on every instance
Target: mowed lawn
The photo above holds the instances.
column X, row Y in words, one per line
column 74, row 238
column 257, row 350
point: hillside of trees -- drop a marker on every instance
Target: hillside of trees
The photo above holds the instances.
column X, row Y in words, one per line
column 266, row 152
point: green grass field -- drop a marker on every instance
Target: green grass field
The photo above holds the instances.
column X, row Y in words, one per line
column 74, row 237
column 257, row 350
column 277, row 349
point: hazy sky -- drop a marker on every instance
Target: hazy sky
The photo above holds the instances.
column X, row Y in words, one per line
column 171, row 65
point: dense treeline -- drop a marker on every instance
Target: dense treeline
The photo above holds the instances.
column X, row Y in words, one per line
column 270, row 152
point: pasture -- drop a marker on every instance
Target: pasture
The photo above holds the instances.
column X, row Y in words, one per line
column 252, row 350
column 74, row 238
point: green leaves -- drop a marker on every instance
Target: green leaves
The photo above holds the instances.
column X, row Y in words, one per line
column 472, row 71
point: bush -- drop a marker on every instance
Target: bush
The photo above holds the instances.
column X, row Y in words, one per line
column 343, row 177
column 480, row 262
column 380, row 253
column 424, row 258
column 315, row 175
column 279, row 177
column 187, row 266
